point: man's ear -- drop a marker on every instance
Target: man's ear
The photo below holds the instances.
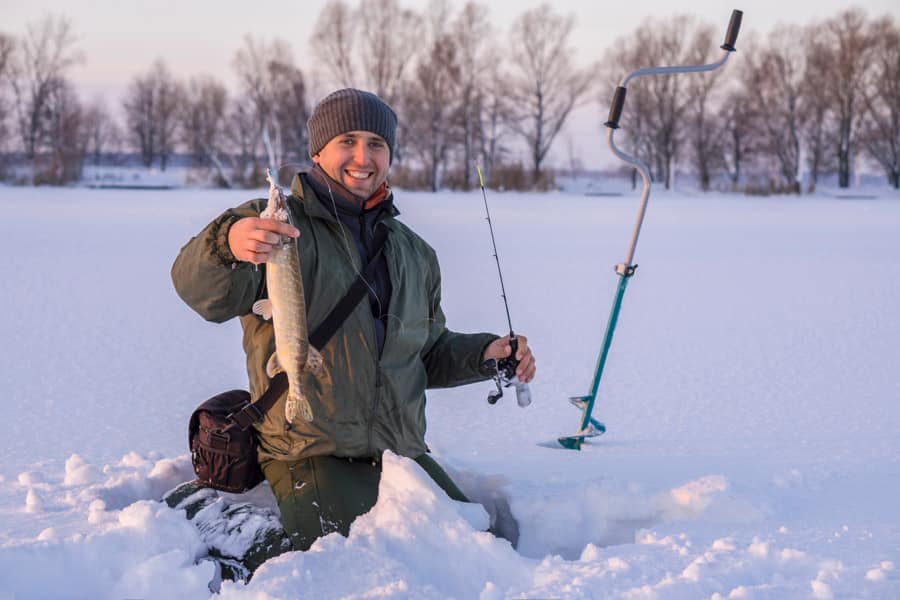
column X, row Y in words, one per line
column 315, row 158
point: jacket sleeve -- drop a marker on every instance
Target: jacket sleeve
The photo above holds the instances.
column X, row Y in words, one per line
column 451, row 358
column 209, row 278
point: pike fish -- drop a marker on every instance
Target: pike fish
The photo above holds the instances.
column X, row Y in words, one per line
column 286, row 306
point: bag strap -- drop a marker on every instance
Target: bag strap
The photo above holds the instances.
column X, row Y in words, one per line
column 256, row 411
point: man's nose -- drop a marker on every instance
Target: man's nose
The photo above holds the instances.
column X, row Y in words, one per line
column 360, row 154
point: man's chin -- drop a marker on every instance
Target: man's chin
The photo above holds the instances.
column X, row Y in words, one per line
column 359, row 187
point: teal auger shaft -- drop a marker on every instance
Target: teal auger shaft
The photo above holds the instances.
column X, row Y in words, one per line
column 607, row 343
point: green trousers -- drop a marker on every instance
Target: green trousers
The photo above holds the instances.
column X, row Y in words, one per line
column 324, row 494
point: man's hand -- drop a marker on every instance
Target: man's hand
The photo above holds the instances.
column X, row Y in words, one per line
column 500, row 348
column 251, row 239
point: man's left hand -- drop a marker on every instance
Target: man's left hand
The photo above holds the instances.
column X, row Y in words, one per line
column 500, row 349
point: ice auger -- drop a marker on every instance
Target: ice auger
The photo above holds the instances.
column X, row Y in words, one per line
column 590, row 427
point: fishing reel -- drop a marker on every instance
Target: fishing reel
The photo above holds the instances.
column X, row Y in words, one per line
column 505, row 376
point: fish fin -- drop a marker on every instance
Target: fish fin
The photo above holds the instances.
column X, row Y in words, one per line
column 263, row 308
column 273, row 367
column 314, row 361
column 306, row 409
column 297, row 403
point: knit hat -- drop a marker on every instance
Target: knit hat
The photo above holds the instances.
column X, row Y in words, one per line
column 350, row 110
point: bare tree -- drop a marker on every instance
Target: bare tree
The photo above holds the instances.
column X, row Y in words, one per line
column 471, row 30
column 140, row 105
column 66, row 142
column 171, row 95
column 277, row 91
column 704, row 136
column 431, row 95
column 100, row 130
column 251, row 63
column 739, row 134
column 151, row 105
column 848, row 44
column 44, row 55
column 7, row 47
column 881, row 130
column 291, row 110
column 817, row 123
column 332, row 42
column 545, row 85
column 203, row 124
column 389, row 37
column 491, row 113
column 774, row 80
column 243, row 137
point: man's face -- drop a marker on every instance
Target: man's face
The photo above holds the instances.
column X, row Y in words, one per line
column 357, row 159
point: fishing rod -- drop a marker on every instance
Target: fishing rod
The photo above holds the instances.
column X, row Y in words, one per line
column 505, row 369
column 590, row 427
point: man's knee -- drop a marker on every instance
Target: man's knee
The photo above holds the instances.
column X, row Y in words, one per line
column 321, row 495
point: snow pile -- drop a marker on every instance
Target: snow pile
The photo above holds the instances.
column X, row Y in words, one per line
column 122, row 545
column 750, row 400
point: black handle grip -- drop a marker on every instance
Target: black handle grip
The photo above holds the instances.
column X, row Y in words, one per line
column 734, row 27
column 615, row 110
column 507, row 366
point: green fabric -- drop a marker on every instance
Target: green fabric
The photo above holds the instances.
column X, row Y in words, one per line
column 440, row 477
column 324, row 494
column 361, row 405
column 321, row 495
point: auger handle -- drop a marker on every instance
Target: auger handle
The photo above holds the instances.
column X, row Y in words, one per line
column 734, row 27
column 615, row 109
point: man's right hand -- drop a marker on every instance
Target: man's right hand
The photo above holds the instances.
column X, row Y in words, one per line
column 251, row 239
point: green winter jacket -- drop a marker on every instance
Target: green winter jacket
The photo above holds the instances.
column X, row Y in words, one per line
column 363, row 405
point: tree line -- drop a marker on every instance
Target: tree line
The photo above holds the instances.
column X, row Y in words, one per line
column 812, row 99
column 815, row 99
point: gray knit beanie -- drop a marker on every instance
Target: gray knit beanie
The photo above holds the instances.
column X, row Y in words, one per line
column 350, row 110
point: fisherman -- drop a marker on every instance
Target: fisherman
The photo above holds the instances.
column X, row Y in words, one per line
column 370, row 395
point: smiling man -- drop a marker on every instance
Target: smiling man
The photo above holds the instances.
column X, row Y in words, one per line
column 385, row 353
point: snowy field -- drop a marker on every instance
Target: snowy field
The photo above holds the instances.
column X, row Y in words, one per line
column 752, row 400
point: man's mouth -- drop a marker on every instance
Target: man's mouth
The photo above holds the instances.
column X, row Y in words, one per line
column 358, row 174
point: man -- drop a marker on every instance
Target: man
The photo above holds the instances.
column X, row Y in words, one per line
column 371, row 395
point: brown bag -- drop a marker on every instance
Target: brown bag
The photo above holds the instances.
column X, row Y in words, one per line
column 224, row 454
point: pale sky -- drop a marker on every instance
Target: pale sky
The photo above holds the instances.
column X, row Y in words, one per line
column 122, row 38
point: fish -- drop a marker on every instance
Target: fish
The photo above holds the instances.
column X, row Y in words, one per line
column 286, row 306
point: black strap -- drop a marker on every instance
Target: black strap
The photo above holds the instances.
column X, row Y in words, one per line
column 256, row 411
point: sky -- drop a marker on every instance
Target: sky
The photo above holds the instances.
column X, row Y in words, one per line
column 121, row 39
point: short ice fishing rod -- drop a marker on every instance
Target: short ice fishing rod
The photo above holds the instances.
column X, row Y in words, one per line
column 590, row 427
column 505, row 369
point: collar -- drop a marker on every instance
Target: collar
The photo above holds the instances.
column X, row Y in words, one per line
column 326, row 187
column 315, row 191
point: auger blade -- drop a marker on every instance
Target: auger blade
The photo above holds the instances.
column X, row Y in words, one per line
column 593, row 428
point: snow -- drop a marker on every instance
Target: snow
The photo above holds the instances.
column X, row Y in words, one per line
column 750, row 399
